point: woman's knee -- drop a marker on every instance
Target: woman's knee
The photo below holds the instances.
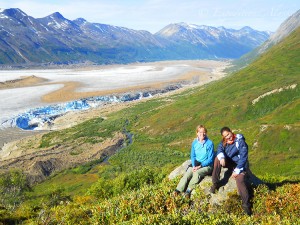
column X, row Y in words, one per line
column 240, row 179
column 205, row 171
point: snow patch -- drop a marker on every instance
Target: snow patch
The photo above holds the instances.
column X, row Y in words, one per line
column 2, row 16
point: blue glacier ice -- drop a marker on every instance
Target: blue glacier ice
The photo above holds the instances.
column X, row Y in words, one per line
column 36, row 118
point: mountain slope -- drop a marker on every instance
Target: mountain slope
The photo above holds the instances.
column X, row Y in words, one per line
column 285, row 29
column 55, row 39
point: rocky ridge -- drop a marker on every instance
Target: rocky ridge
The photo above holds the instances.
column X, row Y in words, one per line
column 286, row 28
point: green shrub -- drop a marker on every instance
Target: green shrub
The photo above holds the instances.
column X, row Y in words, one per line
column 13, row 186
column 54, row 197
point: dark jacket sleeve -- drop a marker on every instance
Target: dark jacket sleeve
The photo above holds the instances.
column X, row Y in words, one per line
column 243, row 153
column 220, row 149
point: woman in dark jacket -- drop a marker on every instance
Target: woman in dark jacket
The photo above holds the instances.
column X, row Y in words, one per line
column 232, row 153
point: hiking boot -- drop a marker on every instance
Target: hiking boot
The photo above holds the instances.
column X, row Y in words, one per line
column 176, row 193
column 187, row 194
column 213, row 188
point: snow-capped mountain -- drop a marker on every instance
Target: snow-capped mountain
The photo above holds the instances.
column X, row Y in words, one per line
column 55, row 39
column 225, row 43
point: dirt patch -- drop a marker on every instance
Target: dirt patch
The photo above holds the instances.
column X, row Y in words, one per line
column 22, row 82
column 69, row 93
column 39, row 164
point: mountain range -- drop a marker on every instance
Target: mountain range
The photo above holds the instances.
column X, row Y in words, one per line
column 55, row 39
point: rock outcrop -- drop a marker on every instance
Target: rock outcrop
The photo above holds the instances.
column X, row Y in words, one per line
column 228, row 184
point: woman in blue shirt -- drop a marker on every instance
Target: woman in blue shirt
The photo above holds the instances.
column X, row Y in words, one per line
column 202, row 156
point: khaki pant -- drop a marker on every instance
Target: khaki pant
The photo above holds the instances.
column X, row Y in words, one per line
column 190, row 179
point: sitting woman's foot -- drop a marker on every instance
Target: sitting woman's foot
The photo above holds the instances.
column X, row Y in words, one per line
column 213, row 188
column 187, row 194
column 176, row 193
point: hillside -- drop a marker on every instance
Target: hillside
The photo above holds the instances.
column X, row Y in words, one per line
column 262, row 101
column 285, row 29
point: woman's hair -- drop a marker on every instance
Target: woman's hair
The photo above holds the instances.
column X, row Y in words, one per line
column 223, row 138
column 199, row 127
column 225, row 129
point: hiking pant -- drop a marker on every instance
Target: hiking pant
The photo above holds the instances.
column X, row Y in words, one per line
column 190, row 179
column 240, row 179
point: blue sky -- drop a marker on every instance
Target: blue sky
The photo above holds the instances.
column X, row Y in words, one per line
column 153, row 15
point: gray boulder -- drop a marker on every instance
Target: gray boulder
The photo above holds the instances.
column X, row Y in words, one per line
column 228, row 184
column 180, row 170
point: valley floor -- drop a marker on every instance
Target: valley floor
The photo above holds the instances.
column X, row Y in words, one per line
column 24, row 89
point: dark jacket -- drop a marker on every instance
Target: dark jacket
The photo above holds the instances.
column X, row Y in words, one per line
column 237, row 152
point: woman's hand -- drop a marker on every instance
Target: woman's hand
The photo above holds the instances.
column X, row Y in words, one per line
column 195, row 168
column 234, row 175
column 222, row 162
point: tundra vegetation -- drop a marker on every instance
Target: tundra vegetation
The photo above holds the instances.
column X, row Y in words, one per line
column 132, row 188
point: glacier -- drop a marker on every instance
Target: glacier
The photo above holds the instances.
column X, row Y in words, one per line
column 36, row 118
